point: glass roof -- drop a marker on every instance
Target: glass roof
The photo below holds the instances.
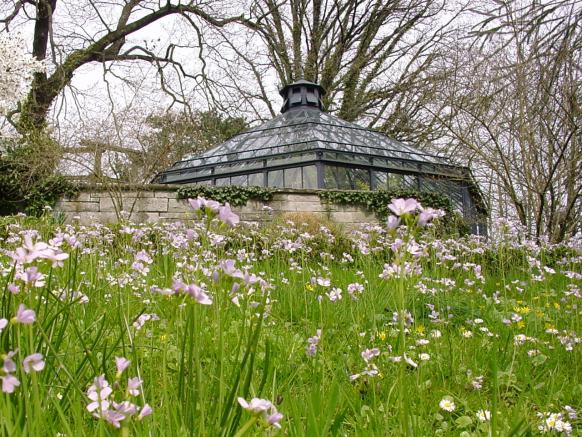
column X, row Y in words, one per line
column 305, row 128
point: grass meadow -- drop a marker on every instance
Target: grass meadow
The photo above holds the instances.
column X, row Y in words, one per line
column 217, row 328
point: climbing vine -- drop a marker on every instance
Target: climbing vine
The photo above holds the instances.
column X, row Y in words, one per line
column 235, row 195
column 377, row 201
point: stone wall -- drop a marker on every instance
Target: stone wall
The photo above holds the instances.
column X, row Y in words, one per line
column 152, row 203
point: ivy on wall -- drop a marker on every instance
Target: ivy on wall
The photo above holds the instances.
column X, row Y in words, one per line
column 378, row 201
column 235, row 195
column 374, row 201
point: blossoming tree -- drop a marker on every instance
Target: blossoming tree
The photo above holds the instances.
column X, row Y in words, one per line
column 17, row 67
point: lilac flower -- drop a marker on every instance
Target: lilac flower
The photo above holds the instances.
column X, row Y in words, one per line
column 133, row 385
column 429, row 214
column 126, row 408
column 264, row 408
column 198, row 293
column 368, row 354
column 145, row 411
column 98, row 393
column 9, row 364
column 30, row 251
column 9, row 383
column 32, row 277
column 274, row 419
column 313, row 342
column 197, row 203
column 230, row 270
column 13, row 288
column 33, row 362
column 335, row 294
column 256, row 405
column 113, row 417
column 355, row 289
column 403, row 206
column 25, row 316
column 201, row 203
column 227, row 216
column 121, row 363
column 393, row 222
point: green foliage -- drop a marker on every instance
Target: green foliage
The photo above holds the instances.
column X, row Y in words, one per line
column 182, row 133
column 378, row 201
column 235, row 195
column 27, row 179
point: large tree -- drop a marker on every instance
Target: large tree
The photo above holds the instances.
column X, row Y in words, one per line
column 372, row 57
column 69, row 34
column 512, row 103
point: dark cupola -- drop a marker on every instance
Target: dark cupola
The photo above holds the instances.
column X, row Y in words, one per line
column 302, row 94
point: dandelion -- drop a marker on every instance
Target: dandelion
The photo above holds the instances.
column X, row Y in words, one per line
column 447, row 404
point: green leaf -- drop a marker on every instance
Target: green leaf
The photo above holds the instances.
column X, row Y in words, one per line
column 464, row 422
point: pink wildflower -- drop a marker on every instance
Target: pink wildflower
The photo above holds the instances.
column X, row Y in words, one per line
column 33, row 362
column 402, row 206
column 25, row 316
column 121, row 364
column 227, row 216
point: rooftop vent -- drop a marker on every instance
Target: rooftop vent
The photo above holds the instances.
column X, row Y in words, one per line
column 301, row 94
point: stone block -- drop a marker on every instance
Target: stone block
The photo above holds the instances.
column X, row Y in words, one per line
column 76, row 206
column 132, row 194
column 178, row 205
column 165, row 194
column 145, row 217
column 109, row 204
column 152, row 204
column 175, row 216
column 297, row 197
column 351, row 217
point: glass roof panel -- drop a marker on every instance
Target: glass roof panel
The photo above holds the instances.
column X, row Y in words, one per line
column 295, row 129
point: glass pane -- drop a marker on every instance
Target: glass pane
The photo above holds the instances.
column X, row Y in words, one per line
column 239, row 180
column 345, row 178
column 410, row 181
column 222, row 181
column 310, row 176
column 256, row 179
column 380, row 180
column 293, row 177
column 395, row 180
column 358, row 178
column 275, row 178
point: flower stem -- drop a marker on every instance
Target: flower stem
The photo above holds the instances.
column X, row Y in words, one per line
column 246, row 426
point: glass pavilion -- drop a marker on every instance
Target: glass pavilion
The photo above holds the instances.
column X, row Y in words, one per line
column 304, row 147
